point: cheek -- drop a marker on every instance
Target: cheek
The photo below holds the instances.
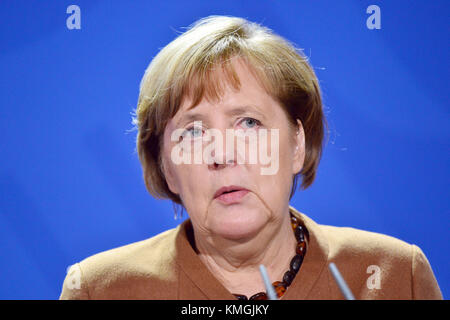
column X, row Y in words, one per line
column 193, row 182
column 275, row 152
column 275, row 187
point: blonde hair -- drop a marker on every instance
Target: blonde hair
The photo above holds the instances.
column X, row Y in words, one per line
column 184, row 68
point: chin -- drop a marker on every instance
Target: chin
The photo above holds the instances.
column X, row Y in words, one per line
column 238, row 223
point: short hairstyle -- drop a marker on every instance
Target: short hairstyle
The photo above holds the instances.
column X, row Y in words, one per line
column 184, row 68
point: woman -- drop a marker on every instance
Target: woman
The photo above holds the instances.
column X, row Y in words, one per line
column 232, row 79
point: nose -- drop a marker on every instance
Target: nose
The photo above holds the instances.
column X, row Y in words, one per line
column 222, row 164
column 224, row 156
column 222, row 159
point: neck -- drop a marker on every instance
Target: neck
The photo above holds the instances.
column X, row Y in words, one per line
column 236, row 263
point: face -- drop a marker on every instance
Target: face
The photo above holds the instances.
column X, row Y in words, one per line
column 264, row 198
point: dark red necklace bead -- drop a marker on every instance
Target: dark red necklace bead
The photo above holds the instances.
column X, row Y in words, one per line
column 296, row 263
column 294, row 222
column 288, row 277
column 280, row 288
column 259, row 296
column 301, row 248
column 299, row 234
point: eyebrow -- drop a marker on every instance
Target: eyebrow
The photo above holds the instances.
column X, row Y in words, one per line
column 234, row 111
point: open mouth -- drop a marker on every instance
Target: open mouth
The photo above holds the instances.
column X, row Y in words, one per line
column 229, row 191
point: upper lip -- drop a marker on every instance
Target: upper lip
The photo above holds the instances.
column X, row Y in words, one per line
column 227, row 189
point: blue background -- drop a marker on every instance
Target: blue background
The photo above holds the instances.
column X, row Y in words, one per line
column 70, row 180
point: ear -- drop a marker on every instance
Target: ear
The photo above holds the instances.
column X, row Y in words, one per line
column 299, row 149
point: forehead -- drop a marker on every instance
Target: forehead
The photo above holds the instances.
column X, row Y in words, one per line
column 247, row 93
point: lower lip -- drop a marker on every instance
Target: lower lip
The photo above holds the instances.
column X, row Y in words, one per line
column 232, row 197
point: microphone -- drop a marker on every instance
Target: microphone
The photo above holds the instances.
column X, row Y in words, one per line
column 271, row 295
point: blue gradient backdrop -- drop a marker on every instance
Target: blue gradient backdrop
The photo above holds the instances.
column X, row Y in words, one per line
column 70, row 181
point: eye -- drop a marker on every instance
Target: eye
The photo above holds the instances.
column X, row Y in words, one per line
column 250, row 123
column 192, row 133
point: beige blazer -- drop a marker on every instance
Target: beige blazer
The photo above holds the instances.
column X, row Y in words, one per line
column 375, row 266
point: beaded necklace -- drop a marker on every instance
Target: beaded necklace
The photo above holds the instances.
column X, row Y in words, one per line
column 280, row 287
